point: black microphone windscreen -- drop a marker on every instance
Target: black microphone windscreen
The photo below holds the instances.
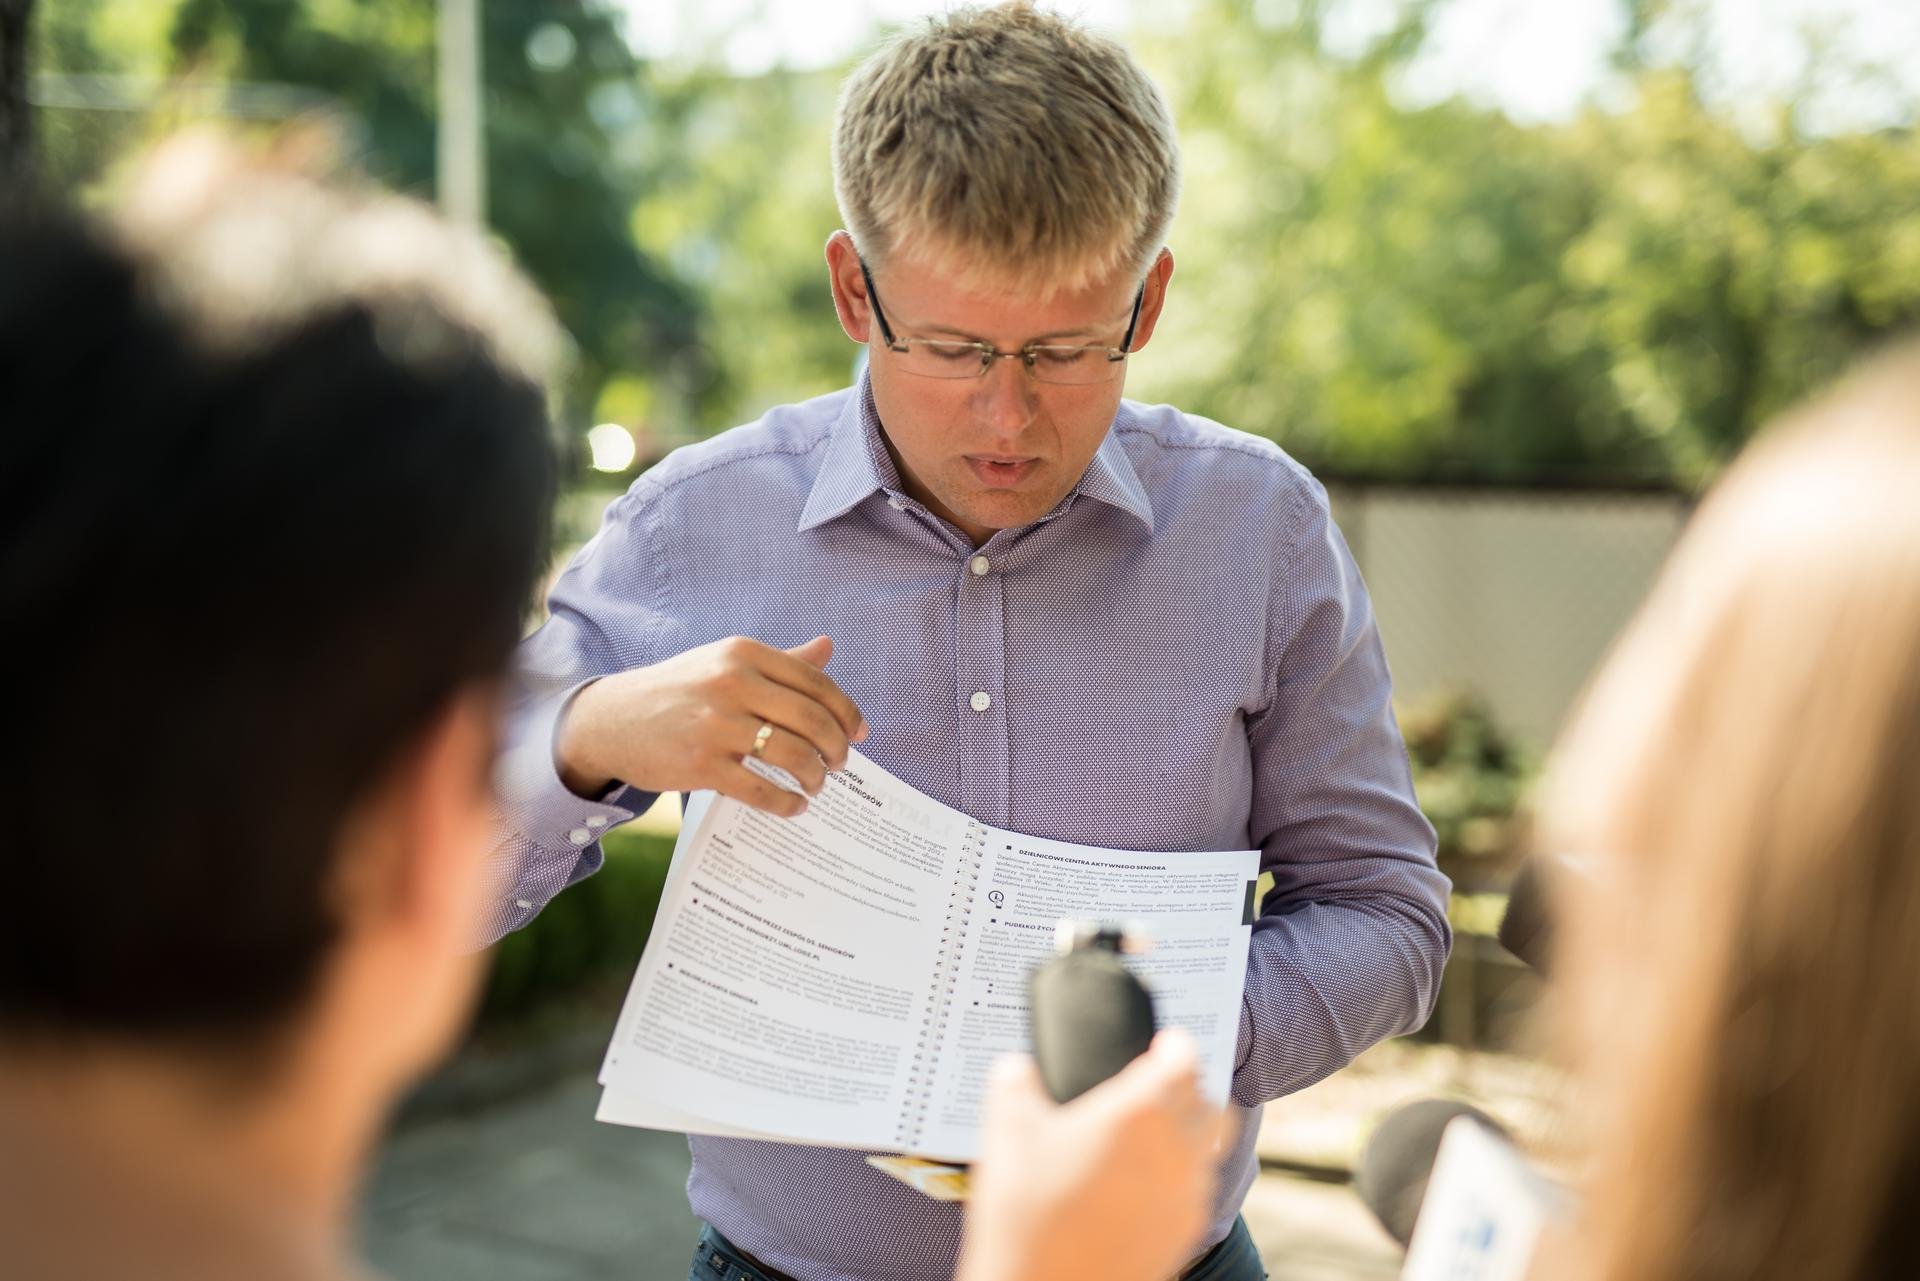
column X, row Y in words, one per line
column 1091, row 1017
column 1393, row 1172
column 1526, row 930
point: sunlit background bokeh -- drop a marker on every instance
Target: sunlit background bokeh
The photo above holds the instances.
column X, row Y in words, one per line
column 1591, row 241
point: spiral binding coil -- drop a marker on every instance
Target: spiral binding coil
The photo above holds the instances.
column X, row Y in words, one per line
column 946, row 979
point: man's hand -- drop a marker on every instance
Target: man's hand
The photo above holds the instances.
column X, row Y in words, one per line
column 1115, row 1184
column 689, row 722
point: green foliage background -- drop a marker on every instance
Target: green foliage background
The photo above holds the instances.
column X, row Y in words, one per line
column 1390, row 289
column 1440, row 291
column 565, row 154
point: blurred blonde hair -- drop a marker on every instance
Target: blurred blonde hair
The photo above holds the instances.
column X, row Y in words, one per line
column 1742, row 974
column 1006, row 143
column 244, row 239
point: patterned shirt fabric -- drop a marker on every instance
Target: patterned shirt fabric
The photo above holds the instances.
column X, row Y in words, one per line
column 1179, row 656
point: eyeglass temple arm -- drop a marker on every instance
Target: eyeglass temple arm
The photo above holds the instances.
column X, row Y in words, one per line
column 1126, row 344
column 886, row 330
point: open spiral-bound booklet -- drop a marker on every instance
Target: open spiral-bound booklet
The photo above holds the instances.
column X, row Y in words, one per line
column 845, row 978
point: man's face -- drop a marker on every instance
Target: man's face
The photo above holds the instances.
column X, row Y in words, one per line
column 999, row 450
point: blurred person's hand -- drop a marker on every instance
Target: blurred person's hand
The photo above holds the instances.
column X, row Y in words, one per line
column 1115, row 1184
column 688, row 723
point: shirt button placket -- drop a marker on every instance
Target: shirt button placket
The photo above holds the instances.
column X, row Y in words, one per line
column 980, row 629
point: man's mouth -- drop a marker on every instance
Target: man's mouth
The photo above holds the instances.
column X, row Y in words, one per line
column 1000, row 473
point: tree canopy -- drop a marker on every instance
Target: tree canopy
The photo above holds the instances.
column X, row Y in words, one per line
column 564, row 96
column 1391, row 288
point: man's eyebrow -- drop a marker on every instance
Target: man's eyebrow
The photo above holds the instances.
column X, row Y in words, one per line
column 1084, row 331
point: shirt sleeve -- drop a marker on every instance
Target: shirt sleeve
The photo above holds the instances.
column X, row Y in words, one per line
column 550, row 837
column 1350, row 943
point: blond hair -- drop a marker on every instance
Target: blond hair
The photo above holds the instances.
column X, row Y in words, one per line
column 1006, row 143
column 1743, row 780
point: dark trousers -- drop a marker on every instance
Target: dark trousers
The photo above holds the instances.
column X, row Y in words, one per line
column 718, row 1259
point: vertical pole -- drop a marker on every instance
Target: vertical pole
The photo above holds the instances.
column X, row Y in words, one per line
column 16, row 114
column 462, row 150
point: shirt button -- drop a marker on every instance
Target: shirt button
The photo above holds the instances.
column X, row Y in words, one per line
column 980, row 565
column 896, row 504
column 524, row 904
column 579, row 836
column 596, row 822
column 981, row 700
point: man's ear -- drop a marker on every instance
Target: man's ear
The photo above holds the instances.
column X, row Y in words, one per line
column 849, row 287
column 1154, row 300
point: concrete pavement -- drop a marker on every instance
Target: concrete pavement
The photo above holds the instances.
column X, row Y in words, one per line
column 534, row 1189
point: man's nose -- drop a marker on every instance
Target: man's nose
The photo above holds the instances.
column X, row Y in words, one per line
column 1008, row 397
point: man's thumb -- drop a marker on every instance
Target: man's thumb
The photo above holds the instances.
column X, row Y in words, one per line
column 816, row 651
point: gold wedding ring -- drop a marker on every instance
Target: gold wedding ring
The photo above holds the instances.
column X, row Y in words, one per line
column 760, row 739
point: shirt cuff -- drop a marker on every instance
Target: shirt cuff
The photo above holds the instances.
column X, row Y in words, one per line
column 536, row 802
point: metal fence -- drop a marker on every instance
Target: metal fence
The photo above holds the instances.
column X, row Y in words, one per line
column 1514, row 595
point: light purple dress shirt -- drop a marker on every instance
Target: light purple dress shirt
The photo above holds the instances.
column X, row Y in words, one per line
column 1179, row 656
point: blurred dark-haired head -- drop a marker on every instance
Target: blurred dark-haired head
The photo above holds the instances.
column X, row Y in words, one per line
column 275, row 489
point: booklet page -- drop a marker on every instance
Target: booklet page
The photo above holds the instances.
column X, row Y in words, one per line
column 847, row 977
column 790, row 967
column 1196, row 910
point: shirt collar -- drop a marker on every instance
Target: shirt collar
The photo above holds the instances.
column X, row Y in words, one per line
column 1112, row 480
column 857, row 464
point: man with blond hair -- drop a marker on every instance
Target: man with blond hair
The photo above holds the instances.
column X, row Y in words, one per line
column 1060, row 611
